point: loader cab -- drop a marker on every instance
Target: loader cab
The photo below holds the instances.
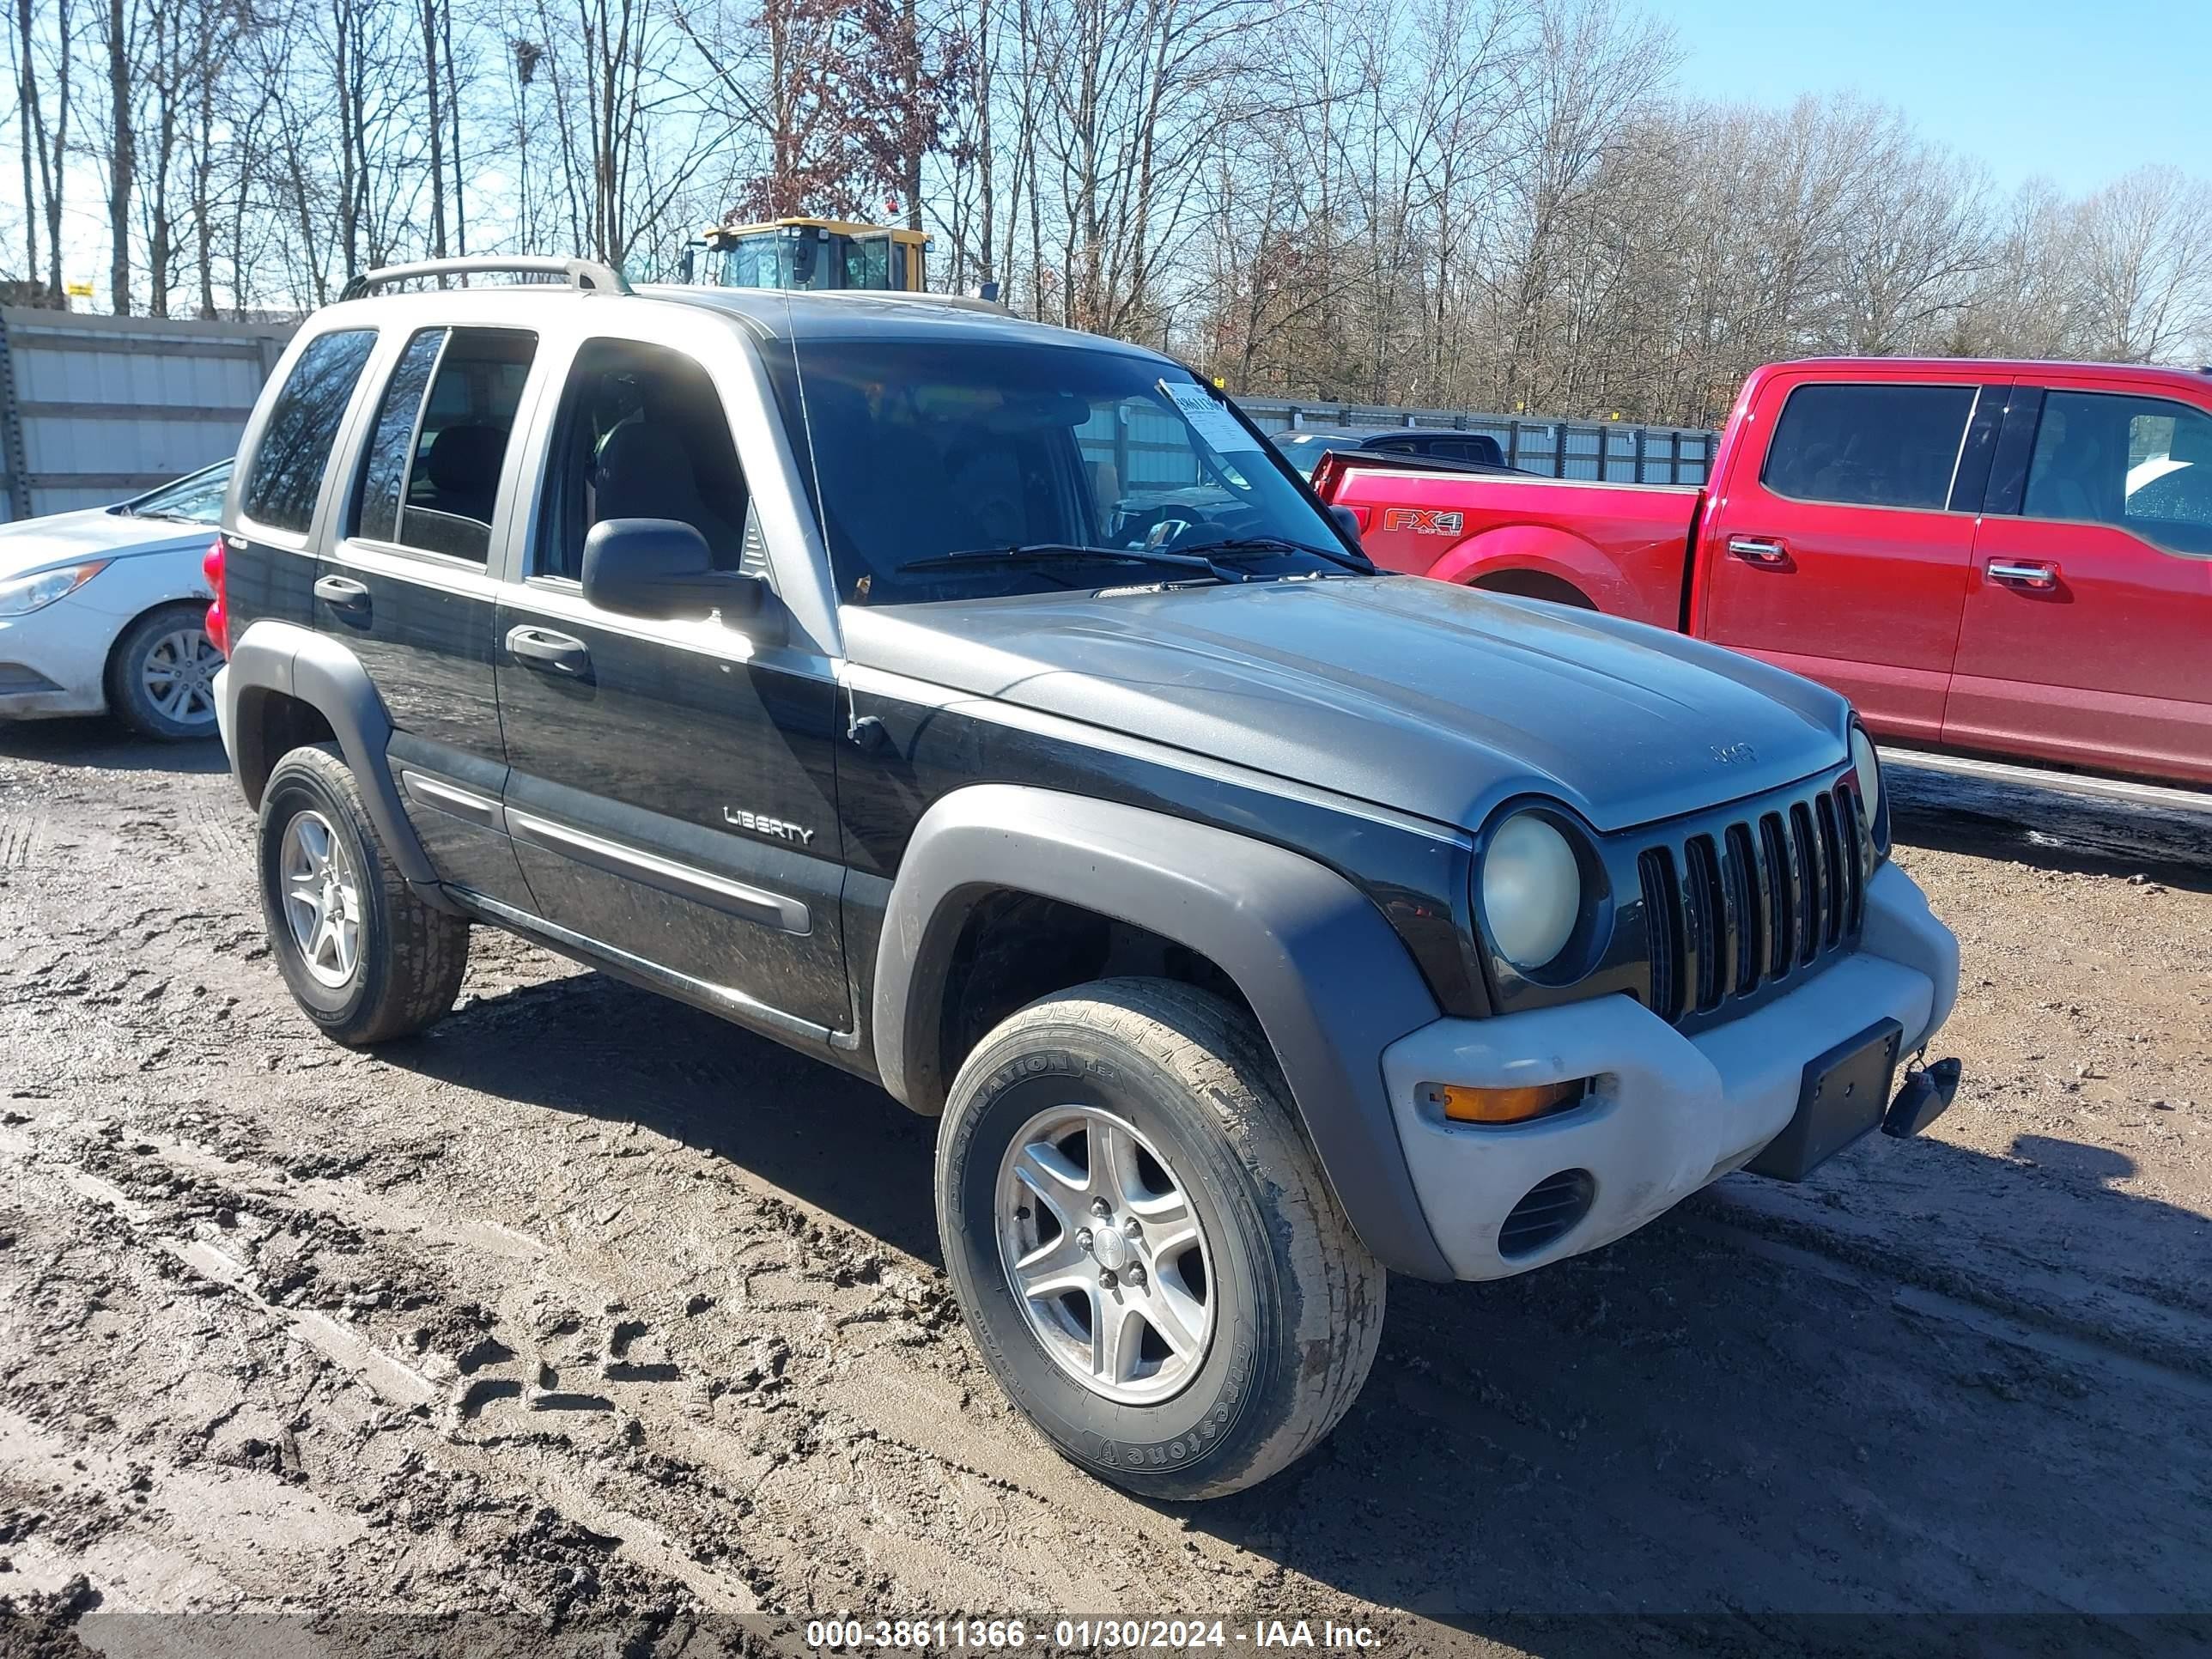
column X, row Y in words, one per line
column 814, row 254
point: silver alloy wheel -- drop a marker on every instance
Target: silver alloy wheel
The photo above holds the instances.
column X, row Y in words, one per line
column 1105, row 1255
column 178, row 675
column 322, row 897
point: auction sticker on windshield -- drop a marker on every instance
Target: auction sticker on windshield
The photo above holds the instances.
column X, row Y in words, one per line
column 1209, row 418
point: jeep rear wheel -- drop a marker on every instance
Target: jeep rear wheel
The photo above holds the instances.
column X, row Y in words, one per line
column 365, row 959
column 1144, row 1243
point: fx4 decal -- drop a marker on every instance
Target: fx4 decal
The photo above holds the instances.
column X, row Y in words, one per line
column 1423, row 521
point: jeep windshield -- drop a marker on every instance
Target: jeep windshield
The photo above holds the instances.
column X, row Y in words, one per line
column 960, row 470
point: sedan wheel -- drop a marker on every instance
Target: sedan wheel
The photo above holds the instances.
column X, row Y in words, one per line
column 160, row 674
column 178, row 674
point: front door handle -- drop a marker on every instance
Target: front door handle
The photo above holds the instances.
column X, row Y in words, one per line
column 2036, row 575
column 1764, row 551
column 344, row 594
column 541, row 647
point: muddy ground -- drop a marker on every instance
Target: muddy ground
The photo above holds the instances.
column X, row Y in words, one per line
column 586, row 1308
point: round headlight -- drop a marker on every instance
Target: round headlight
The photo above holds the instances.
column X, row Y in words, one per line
column 1870, row 771
column 1532, row 891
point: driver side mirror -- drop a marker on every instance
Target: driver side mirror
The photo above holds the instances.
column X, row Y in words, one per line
column 662, row 569
column 1348, row 521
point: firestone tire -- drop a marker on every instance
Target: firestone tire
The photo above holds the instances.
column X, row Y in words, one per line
column 364, row 959
column 1293, row 1300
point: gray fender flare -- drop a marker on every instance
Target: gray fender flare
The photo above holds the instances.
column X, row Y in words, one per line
column 319, row 671
column 1331, row 983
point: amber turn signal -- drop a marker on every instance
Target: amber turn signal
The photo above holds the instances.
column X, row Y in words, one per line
column 1462, row 1104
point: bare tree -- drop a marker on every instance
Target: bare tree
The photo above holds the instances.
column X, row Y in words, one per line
column 1459, row 202
column 2146, row 284
column 119, row 39
column 43, row 39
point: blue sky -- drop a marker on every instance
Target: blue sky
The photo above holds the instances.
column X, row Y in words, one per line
column 2079, row 93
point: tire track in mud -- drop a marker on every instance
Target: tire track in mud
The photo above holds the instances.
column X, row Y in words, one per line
column 417, row 1405
column 20, row 830
column 631, row 1431
column 2135, row 1335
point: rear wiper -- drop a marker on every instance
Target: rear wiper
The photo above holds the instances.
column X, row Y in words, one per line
column 1358, row 562
column 1049, row 554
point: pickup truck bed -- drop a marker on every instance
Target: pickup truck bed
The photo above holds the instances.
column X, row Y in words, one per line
column 1616, row 547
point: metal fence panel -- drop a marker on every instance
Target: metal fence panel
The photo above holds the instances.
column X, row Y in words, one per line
column 93, row 408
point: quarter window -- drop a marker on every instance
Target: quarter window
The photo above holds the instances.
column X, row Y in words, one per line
column 2141, row 464
column 1869, row 446
column 302, row 429
column 431, row 477
column 384, row 477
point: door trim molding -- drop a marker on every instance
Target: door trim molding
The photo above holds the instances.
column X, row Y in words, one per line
column 684, row 880
column 723, row 999
column 466, row 804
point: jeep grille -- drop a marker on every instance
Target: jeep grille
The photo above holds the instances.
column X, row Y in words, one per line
column 1746, row 902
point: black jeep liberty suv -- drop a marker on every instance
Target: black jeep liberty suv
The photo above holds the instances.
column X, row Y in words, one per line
column 986, row 709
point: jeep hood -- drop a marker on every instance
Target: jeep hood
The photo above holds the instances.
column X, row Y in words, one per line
column 1415, row 695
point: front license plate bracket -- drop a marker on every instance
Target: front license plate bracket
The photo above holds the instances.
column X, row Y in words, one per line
column 1842, row 1097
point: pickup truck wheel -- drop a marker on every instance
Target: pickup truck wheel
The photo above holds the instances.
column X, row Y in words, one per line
column 1144, row 1243
column 365, row 959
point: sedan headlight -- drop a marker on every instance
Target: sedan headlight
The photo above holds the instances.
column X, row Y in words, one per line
column 28, row 594
column 1532, row 891
column 1870, row 771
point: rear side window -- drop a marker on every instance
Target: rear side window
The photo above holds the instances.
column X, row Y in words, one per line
column 2142, row 464
column 303, row 427
column 1869, row 446
column 431, row 477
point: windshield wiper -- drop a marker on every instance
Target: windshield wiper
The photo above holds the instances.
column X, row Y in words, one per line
column 1358, row 562
column 1046, row 555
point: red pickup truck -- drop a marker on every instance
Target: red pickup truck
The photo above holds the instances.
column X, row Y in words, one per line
column 1997, row 558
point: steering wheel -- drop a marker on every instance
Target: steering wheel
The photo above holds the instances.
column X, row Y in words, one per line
column 1197, row 532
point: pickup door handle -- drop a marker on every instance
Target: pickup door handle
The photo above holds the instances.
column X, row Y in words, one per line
column 1764, row 552
column 343, row 593
column 541, row 647
column 2034, row 575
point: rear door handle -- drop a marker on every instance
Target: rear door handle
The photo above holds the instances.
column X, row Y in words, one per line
column 2034, row 575
column 342, row 593
column 541, row 647
column 1764, row 552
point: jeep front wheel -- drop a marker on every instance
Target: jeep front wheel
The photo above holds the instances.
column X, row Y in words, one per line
column 1144, row 1243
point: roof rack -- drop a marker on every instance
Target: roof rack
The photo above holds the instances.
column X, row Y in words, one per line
column 587, row 273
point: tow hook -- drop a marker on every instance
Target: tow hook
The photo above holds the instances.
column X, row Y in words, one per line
column 1925, row 1095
